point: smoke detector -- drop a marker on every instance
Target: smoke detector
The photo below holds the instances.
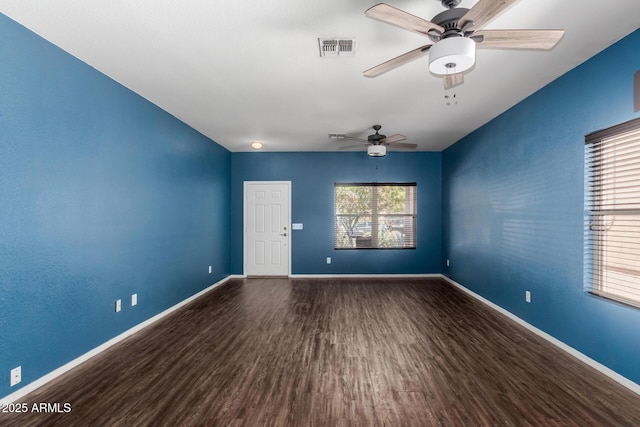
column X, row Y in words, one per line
column 337, row 46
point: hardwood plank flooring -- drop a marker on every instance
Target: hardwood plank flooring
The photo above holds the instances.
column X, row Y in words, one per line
column 334, row 352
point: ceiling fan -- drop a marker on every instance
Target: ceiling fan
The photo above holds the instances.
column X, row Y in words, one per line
column 455, row 34
column 377, row 143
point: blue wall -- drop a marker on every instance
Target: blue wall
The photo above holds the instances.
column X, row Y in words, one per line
column 102, row 195
column 513, row 208
column 313, row 176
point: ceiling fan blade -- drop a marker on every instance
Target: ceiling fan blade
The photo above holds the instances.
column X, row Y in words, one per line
column 519, row 39
column 452, row 80
column 394, row 138
column 353, row 138
column 391, row 15
column 484, row 11
column 353, row 147
column 402, row 145
column 397, row 61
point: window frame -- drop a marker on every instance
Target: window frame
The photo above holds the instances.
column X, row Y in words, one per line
column 375, row 215
column 612, row 213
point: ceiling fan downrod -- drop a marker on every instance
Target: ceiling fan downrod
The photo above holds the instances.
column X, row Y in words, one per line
column 450, row 4
column 376, row 138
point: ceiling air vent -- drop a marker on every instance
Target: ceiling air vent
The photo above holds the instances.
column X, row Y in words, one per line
column 337, row 46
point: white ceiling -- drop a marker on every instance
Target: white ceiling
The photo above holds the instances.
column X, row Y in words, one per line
column 241, row 70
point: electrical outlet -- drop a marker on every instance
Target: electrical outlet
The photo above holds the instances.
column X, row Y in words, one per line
column 210, row 269
column 328, row 260
column 447, row 263
column 118, row 305
column 16, row 375
column 134, row 299
column 527, row 296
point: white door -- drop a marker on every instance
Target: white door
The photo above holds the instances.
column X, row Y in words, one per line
column 266, row 228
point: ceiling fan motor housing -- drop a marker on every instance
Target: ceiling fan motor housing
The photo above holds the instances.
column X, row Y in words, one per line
column 449, row 21
column 376, row 137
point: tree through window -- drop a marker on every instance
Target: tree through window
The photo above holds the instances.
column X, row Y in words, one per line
column 375, row 216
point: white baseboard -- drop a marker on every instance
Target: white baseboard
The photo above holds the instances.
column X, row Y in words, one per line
column 91, row 353
column 354, row 276
column 572, row 351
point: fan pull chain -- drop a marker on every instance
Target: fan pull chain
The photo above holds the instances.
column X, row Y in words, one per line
column 450, row 98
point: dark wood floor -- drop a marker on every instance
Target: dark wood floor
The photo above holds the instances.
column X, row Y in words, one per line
column 414, row 352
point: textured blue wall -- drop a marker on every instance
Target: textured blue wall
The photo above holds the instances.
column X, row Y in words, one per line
column 313, row 176
column 102, row 195
column 513, row 208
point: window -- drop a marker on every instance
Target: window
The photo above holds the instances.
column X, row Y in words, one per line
column 612, row 202
column 375, row 216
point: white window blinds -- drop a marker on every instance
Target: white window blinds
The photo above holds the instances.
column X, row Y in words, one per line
column 612, row 201
column 375, row 216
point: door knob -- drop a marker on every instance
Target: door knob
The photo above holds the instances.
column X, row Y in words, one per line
column 284, row 234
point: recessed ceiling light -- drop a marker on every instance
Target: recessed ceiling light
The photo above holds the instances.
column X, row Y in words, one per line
column 256, row 145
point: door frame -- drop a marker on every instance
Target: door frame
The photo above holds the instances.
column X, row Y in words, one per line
column 244, row 221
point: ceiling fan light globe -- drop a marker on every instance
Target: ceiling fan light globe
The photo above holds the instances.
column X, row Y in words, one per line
column 376, row 151
column 452, row 55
